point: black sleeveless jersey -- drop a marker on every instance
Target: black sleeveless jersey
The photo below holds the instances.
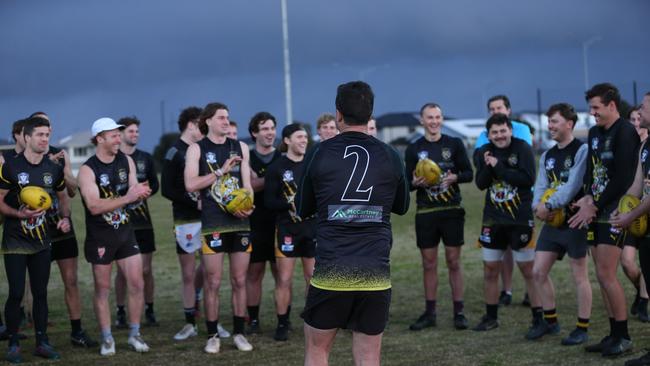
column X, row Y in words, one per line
column 611, row 159
column 112, row 181
column 558, row 163
column 53, row 215
column 184, row 203
column 262, row 216
column 280, row 188
column 9, row 154
column 138, row 211
column 353, row 182
column 28, row 236
column 450, row 155
column 214, row 217
column 509, row 196
column 645, row 166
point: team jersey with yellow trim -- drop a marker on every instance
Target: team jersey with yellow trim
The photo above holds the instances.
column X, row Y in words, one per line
column 53, row 215
column 28, row 236
column 145, row 172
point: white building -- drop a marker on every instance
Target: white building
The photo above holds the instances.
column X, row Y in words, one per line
column 78, row 147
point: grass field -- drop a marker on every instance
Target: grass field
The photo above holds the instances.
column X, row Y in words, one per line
column 440, row 346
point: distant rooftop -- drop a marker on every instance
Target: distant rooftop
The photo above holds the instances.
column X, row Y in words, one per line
column 81, row 138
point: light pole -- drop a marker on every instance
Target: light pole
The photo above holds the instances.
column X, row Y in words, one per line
column 585, row 64
column 287, row 66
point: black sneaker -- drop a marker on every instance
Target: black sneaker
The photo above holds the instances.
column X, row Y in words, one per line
column 81, row 339
column 281, row 333
column 505, row 298
column 120, row 321
column 641, row 361
column 617, row 347
column 425, row 320
column 526, row 300
column 13, row 355
column 253, row 327
column 45, row 350
column 486, row 323
column 600, row 346
column 150, row 319
column 460, row 321
column 577, row 336
column 540, row 328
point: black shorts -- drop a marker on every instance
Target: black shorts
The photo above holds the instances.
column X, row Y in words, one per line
column 106, row 254
column 563, row 241
column 360, row 311
column 605, row 233
column 500, row 237
column 65, row 248
column 296, row 240
column 263, row 244
column 146, row 240
column 234, row 242
column 448, row 225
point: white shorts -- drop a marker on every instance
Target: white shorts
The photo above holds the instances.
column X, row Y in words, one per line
column 521, row 255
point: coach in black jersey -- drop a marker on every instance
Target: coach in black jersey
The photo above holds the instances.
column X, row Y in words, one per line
column 613, row 147
column 108, row 183
column 561, row 168
column 262, row 128
column 140, row 221
column 505, row 168
column 216, row 166
column 439, row 212
column 353, row 182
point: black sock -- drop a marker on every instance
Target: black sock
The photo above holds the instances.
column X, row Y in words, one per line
column 459, row 306
column 550, row 316
column 430, row 306
column 492, row 310
column 75, row 324
column 643, row 304
column 189, row 315
column 41, row 337
column 283, row 319
column 212, row 328
column 582, row 324
column 149, row 309
column 238, row 324
column 120, row 310
column 612, row 321
column 537, row 312
column 620, row 329
column 288, row 310
column 253, row 312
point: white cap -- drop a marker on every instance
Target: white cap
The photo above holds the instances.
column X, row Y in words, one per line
column 104, row 124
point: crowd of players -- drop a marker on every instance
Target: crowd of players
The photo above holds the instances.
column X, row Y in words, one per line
column 339, row 195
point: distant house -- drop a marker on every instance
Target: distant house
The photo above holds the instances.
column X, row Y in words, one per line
column 6, row 144
column 78, row 147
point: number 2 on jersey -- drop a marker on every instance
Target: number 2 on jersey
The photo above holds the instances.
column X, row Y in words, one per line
column 362, row 160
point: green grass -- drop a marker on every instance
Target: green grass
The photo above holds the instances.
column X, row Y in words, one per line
column 441, row 345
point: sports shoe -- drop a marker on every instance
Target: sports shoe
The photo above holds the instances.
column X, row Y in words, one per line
column 281, row 333
column 188, row 330
column 108, row 347
column 486, row 323
column 526, row 300
column 505, row 298
column 213, row 344
column 242, row 343
column 13, row 355
column 617, row 347
column 150, row 319
column 642, row 313
column 460, row 321
column 223, row 333
column 137, row 344
column 81, row 339
column 641, row 361
column 600, row 346
column 577, row 336
column 540, row 327
column 253, row 327
column 424, row 321
column 120, row 321
column 45, row 350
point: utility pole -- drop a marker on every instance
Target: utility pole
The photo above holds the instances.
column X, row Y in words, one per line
column 287, row 66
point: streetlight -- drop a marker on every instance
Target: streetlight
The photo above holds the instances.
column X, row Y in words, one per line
column 287, row 66
column 585, row 65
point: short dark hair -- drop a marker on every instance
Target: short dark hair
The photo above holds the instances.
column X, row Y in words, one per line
column 498, row 119
column 32, row 123
column 355, row 101
column 17, row 128
column 257, row 120
column 287, row 131
column 429, row 105
column 128, row 121
column 232, row 123
column 565, row 110
column 188, row 115
column 37, row 113
column 607, row 93
column 208, row 111
column 634, row 109
column 502, row 97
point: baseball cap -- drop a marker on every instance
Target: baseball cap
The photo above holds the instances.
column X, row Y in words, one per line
column 104, row 124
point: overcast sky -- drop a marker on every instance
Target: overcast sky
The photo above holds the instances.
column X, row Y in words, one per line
column 81, row 60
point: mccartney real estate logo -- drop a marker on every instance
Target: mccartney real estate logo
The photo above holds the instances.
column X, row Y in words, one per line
column 355, row 213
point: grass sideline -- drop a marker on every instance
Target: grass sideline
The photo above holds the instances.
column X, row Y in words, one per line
column 440, row 346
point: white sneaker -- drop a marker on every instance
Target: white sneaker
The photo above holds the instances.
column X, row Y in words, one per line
column 213, row 344
column 188, row 331
column 222, row 332
column 108, row 347
column 137, row 343
column 242, row 343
